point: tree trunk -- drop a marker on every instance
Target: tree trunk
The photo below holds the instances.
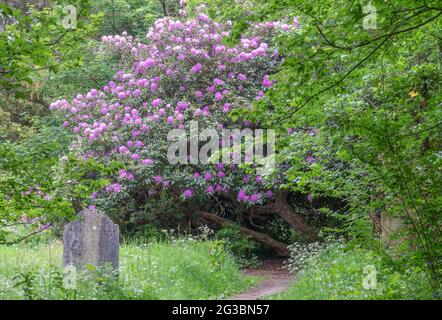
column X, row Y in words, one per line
column 285, row 211
column 281, row 208
column 279, row 247
column 163, row 4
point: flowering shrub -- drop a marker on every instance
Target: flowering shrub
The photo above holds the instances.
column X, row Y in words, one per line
column 182, row 72
column 301, row 255
column 240, row 246
column 342, row 272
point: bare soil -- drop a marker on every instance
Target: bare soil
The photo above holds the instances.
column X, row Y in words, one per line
column 276, row 279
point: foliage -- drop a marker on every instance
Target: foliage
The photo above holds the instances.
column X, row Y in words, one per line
column 303, row 254
column 180, row 270
column 221, row 10
column 358, row 110
column 337, row 273
column 183, row 73
column 242, row 247
column 133, row 16
column 34, row 45
column 38, row 40
column 36, row 189
column 26, row 180
column 19, row 118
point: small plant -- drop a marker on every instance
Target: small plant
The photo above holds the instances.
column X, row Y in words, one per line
column 205, row 232
column 302, row 254
column 216, row 253
column 243, row 248
column 26, row 281
column 341, row 271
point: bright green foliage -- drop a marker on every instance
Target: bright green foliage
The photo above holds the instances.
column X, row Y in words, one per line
column 38, row 40
column 222, row 10
column 243, row 248
column 358, row 115
column 29, row 166
column 344, row 273
column 181, row 270
column 364, row 107
column 34, row 184
column 133, row 16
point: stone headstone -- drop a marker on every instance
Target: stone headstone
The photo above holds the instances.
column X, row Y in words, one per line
column 391, row 226
column 92, row 239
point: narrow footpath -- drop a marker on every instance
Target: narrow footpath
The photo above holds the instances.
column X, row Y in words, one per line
column 276, row 279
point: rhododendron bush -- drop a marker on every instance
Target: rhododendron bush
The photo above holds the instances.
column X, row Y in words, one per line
column 181, row 72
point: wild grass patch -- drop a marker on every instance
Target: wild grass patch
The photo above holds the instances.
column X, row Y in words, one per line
column 347, row 272
column 186, row 269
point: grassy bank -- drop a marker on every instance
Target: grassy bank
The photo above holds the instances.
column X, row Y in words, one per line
column 341, row 272
column 178, row 270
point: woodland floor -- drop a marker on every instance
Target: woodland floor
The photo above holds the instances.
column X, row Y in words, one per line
column 276, row 279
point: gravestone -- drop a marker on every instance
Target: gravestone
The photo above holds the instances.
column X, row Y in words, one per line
column 92, row 239
column 390, row 226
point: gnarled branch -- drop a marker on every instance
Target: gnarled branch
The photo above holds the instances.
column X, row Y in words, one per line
column 279, row 247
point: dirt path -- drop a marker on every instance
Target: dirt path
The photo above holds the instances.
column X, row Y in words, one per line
column 275, row 280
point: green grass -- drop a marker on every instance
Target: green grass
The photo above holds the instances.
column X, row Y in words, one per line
column 338, row 273
column 175, row 270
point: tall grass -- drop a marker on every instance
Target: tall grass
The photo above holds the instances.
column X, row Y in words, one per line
column 185, row 269
column 340, row 272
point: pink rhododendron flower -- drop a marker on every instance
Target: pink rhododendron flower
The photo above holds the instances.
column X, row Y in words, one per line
column 188, row 193
column 266, row 82
column 196, row 68
column 198, row 94
column 255, row 197
column 147, row 162
column 207, row 176
column 122, row 150
column 157, row 102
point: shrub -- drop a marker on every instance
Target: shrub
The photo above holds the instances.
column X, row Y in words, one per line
column 302, row 254
column 340, row 272
column 242, row 247
column 181, row 72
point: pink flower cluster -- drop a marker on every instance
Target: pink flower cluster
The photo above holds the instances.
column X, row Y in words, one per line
column 183, row 72
column 243, row 196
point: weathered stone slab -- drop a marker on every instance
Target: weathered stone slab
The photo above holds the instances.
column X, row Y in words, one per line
column 390, row 226
column 92, row 239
